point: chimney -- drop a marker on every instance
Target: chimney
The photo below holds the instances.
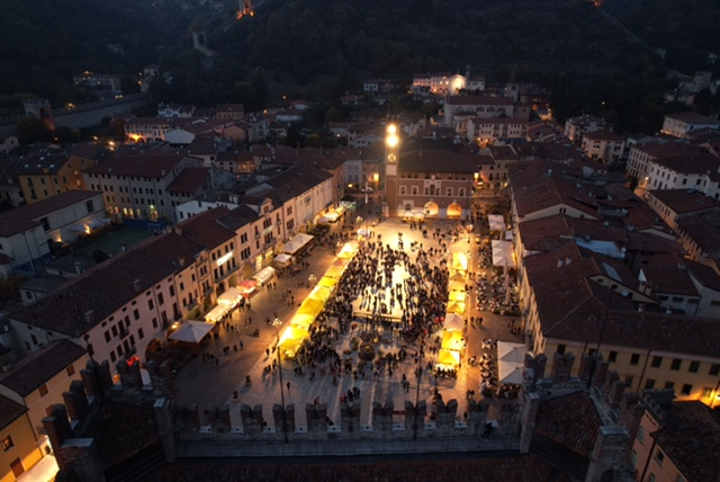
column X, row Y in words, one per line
column 78, row 267
column 89, row 316
column 560, row 263
column 136, row 285
column 123, row 248
column 641, row 307
column 568, row 261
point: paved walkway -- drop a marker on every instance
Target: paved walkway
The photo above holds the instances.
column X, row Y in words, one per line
column 205, row 383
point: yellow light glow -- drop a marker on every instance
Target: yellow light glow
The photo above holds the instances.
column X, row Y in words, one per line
column 392, row 140
column 376, row 177
column 392, row 129
column 224, row 258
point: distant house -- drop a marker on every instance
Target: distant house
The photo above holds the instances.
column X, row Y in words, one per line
column 232, row 112
column 8, row 143
column 683, row 123
column 603, row 145
column 20, row 449
column 576, row 127
column 377, row 86
column 486, row 130
column 175, row 111
column 460, row 109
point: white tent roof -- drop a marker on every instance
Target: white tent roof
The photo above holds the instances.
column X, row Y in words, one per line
column 264, row 275
column 453, row 321
column 497, row 222
column 511, row 362
column 192, row 331
column 218, row 312
column 283, row 258
column 230, row 297
column 296, row 243
column 502, row 254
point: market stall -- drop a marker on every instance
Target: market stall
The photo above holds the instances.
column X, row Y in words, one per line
column 311, row 307
column 456, row 307
column 265, row 275
column 283, row 260
column 459, row 261
column 511, row 362
column 334, row 271
column 231, row 296
column 218, row 312
column 453, row 340
column 453, row 321
column 248, row 288
column 457, row 296
column 328, row 281
column 302, row 321
column 321, row 293
column 297, row 243
column 448, row 359
column 348, row 250
column 192, row 331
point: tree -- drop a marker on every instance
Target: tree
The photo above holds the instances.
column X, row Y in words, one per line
column 261, row 90
column 31, row 129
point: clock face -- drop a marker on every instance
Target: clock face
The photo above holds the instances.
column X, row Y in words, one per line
column 392, row 158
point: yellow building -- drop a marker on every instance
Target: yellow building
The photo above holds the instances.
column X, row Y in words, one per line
column 19, row 450
column 45, row 174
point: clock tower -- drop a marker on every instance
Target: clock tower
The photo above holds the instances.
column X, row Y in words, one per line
column 392, row 148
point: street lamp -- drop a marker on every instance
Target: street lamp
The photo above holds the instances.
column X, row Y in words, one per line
column 277, row 322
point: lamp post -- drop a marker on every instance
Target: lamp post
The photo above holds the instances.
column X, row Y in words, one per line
column 277, row 322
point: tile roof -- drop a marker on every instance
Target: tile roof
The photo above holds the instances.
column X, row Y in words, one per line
column 704, row 229
column 11, row 227
column 667, row 149
column 206, row 230
column 692, row 118
column 239, row 217
column 604, row 135
column 42, row 163
column 108, row 286
column 665, row 276
column 698, row 163
column 549, row 232
column 122, row 164
column 639, row 241
column 39, row 367
column 572, row 307
column 570, row 420
column 537, row 185
column 502, row 153
column 690, row 436
column 684, row 201
column 297, row 180
column 202, row 145
column 49, row 205
column 121, row 430
column 9, row 411
column 190, row 180
column 437, row 160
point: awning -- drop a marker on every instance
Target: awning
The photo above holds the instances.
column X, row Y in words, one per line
column 456, row 307
column 297, row 243
column 231, row 297
column 348, row 251
column 302, row 321
column 192, row 331
column 458, row 275
column 264, row 275
column 311, row 307
column 453, row 321
column 459, row 261
column 511, row 362
column 334, row 271
column 247, row 286
column 283, row 259
column 457, row 296
column 217, row 313
column 328, row 282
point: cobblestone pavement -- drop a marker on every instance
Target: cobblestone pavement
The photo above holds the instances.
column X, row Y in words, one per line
column 205, row 383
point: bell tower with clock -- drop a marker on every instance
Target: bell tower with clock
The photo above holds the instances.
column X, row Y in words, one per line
column 392, row 147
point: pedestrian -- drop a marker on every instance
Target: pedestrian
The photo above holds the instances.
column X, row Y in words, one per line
column 242, row 347
column 288, row 386
column 235, row 348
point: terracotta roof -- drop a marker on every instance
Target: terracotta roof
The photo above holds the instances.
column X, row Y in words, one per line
column 122, row 430
column 11, row 227
column 49, row 205
column 42, row 163
column 108, row 286
column 570, row 420
column 549, row 232
column 684, row 200
column 39, row 367
column 437, row 160
column 502, row 153
column 693, row 118
column 190, row 180
column 204, row 144
column 667, row 149
column 205, row 230
column 157, row 166
column 296, row 180
column 87, row 151
column 652, row 243
column 537, row 185
column 668, row 275
column 698, row 163
column 603, row 135
column 478, row 100
column 571, row 307
column 704, row 229
column 9, row 411
column 690, row 436
column 562, row 150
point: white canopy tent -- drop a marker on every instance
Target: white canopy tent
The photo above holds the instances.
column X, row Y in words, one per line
column 217, row 313
column 502, row 254
column 453, row 321
column 297, row 243
column 511, row 362
column 283, row 259
column 264, row 275
column 497, row 222
column 230, row 297
column 192, row 331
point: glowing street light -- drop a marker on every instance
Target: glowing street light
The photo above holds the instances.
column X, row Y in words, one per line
column 392, row 139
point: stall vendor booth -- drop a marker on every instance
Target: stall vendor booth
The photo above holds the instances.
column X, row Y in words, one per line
column 321, row 293
column 312, row 307
column 283, row 260
column 453, row 340
column 456, row 307
column 448, row 359
column 302, row 321
column 458, row 275
column 511, row 362
column 298, row 242
column 291, row 340
column 328, row 282
column 231, row 297
column 348, row 251
column 218, row 313
column 459, row 296
column 248, row 288
column 453, row 321
column 265, row 275
column 334, row 271
column 192, row 331
column 459, row 261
